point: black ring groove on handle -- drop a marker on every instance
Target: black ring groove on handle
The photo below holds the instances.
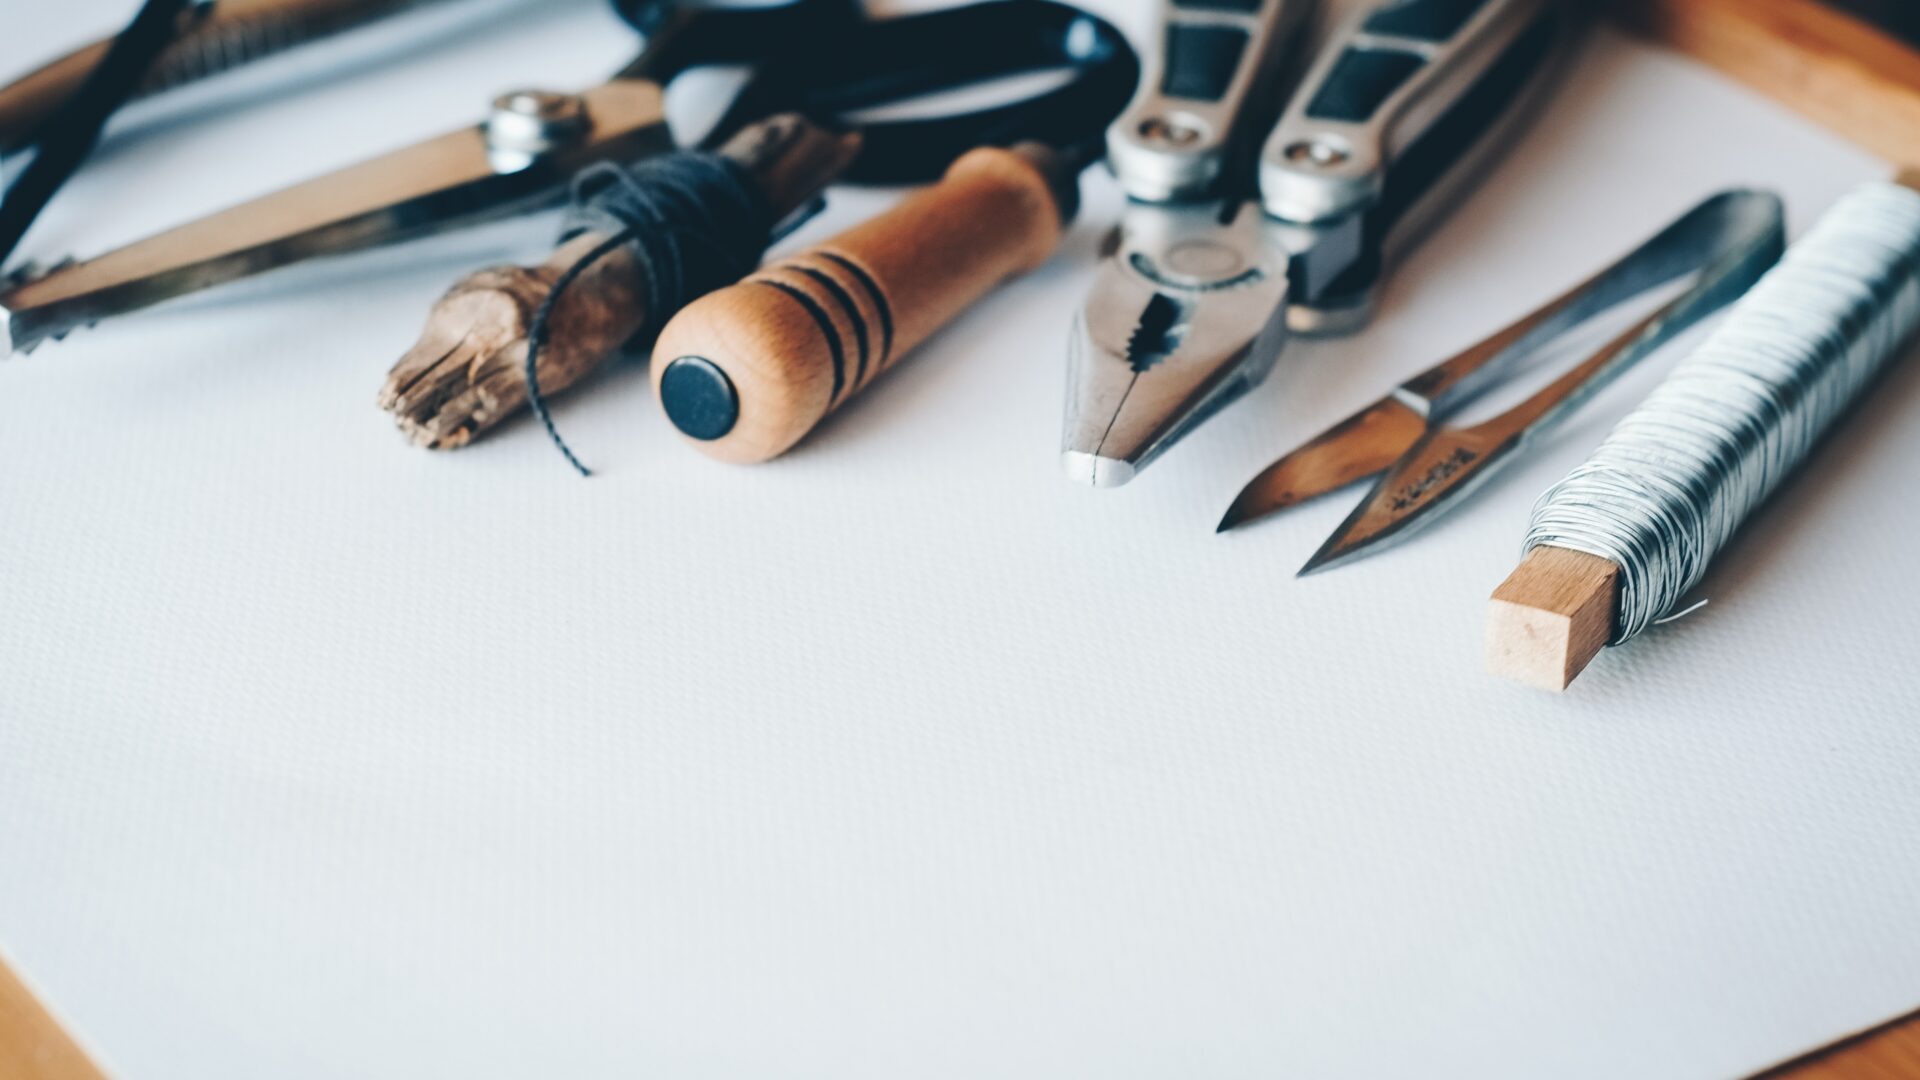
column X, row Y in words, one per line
column 880, row 305
column 852, row 310
column 827, row 330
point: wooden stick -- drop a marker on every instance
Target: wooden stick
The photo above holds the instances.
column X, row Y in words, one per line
column 1837, row 70
column 466, row 373
column 745, row 372
column 1551, row 617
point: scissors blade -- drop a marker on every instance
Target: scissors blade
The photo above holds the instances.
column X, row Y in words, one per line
column 211, row 39
column 453, row 180
column 1441, row 469
column 1362, row 445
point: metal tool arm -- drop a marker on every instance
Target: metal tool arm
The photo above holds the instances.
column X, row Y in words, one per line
column 1209, row 73
column 1391, row 74
column 1396, row 119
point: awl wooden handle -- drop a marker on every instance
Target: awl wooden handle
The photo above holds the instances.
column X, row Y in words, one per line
column 747, row 371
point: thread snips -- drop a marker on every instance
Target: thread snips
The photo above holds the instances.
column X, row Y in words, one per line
column 1717, row 250
column 1227, row 244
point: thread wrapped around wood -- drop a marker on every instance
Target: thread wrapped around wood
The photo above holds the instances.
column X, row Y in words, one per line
column 693, row 221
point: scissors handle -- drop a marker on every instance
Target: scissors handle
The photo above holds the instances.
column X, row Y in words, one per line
column 821, row 59
column 1711, row 241
column 1731, row 240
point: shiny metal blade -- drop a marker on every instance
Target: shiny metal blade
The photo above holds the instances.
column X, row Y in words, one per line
column 1360, row 446
column 1724, row 245
column 446, row 182
column 1432, row 478
column 1185, row 316
column 211, row 40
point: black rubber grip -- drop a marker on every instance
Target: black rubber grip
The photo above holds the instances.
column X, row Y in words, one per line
column 1201, row 61
column 1238, row 7
column 1361, row 80
column 1428, row 20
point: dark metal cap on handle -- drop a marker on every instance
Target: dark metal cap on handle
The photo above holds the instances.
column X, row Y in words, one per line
column 699, row 398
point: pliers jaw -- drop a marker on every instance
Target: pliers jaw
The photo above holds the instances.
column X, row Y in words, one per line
column 1186, row 315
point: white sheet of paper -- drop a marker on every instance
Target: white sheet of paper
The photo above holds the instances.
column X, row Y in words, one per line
column 324, row 756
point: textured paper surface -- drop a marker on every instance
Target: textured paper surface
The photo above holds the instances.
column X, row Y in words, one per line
column 323, row 756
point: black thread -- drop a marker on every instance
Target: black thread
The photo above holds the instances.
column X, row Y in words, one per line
column 694, row 221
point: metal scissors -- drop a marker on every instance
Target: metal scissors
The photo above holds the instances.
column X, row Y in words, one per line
column 1228, row 243
column 211, row 37
column 1720, row 248
column 822, row 58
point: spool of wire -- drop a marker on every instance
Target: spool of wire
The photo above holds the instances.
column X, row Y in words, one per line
column 1674, row 481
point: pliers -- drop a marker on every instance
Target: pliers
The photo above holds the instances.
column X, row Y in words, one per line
column 1221, row 252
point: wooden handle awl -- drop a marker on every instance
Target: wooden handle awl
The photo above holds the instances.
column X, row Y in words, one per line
column 747, row 371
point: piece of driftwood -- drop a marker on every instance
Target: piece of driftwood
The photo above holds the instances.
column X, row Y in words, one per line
column 466, row 373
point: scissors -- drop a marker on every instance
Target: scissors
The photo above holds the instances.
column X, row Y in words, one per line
column 1427, row 466
column 209, row 37
column 1240, row 231
column 822, row 58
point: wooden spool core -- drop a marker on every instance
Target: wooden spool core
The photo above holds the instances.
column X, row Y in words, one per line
column 1551, row 617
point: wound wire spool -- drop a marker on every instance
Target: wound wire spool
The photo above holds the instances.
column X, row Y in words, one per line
column 1674, row 481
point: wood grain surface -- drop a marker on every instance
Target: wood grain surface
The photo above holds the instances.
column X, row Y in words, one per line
column 33, row 1045
column 1831, row 66
column 1888, row 1052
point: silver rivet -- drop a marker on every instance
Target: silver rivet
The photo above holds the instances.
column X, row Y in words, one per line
column 1318, row 153
column 526, row 124
column 1170, row 132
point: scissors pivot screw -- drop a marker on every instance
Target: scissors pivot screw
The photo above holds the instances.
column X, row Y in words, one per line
column 528, row 124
